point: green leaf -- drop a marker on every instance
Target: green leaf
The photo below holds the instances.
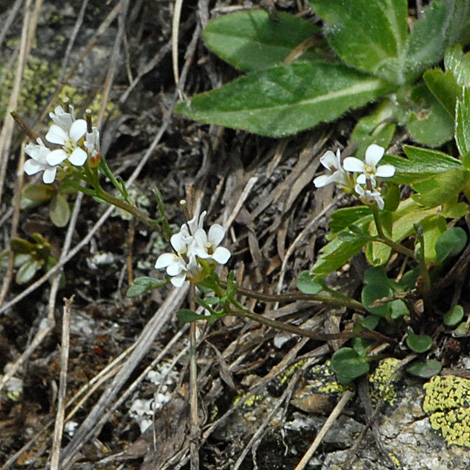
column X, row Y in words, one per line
column 59, row 210
column 425, row 369
column 20, row 245
column 376, row 128
column 444, row 87
column 370, row 36
column 38, row 192
column 454, row 316
column 462, row 128
column 188, row 316
column 399, row 310
column 421, row 164
column 443, row 24
column 144, row 284
column 348, row 364
column 285, row 99
column 308, row 284
column 27, row 271
column 335, row 254
column 433, row 227
column 252, row 41
column 376, row 292
column 450, row 243
column 458, row 63
column 418, row 343
column 430, row 124
column 343, row 218
column 376, row 276
column 440, row 188
column 370, row 322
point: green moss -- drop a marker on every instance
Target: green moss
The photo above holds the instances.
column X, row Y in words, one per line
column 378, row 381
column 448, row 399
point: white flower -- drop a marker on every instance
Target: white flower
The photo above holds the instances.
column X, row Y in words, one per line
column 192, row 226
column 207, row 246
column 369, row 169
column 38, row 162
column 332, row 162
column 69, row 141
column 369, row 196
column 62, row 118
column 180, row 264
column 192, row 244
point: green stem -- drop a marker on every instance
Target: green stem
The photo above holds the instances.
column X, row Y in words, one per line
column 341, row 300
column 137, row 213
column 421, row 259
column 382, row 238
column 309, row 334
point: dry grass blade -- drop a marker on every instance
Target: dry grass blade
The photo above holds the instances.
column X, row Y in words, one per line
column 326, row 427
column 61, row 399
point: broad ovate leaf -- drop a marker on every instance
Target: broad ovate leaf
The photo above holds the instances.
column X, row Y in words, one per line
column 368, row 35
column 250, row 40
column 285, row 99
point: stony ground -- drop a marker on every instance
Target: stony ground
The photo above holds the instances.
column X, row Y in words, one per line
column 128, row 357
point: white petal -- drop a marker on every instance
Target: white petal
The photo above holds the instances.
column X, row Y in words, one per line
column 201, row 237
column 78, row 130
column 164, row 260
column 78, row 157
column 177, row 267
column 178, row 243
column 353, row 164
column 216, row 234
column 31, row 167
column 221, row 255
column 49, row 175
column 321, row 181
column 329, row 160
column 57, row 135
column 374, row 154
column 178, row 281
column 56, row 157
column 385, row 171
column 380, row 202
column 361, row 179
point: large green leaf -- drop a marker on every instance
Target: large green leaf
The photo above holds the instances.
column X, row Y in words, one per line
column 443, row 24
column 285, row 99
column 421, row 164
column 368, row 35
column 252, row 41
column 462, row 126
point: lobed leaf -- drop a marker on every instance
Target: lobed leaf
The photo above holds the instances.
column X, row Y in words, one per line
column 252, row 41
column 444, row 86
column 421, row 164
column 286, row 99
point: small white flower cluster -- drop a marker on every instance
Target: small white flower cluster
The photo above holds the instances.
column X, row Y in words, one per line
column 365, row 185
column 191, row 244
column 76, row 145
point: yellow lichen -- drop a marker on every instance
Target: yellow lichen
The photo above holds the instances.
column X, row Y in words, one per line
column 448, row 399
column 379, row 379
